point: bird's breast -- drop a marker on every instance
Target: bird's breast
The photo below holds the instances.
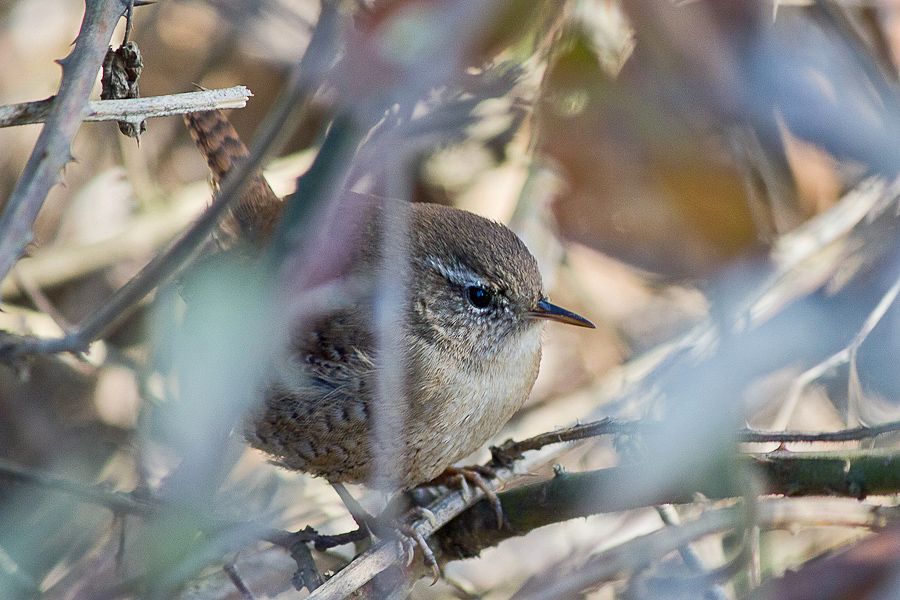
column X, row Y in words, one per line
column 460, row 404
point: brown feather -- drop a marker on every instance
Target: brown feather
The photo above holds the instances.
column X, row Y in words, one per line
column 254, row 217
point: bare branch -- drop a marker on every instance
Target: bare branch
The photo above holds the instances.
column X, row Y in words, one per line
column 116, row 501
column 630, row 555
column 511, row 450
column 132, row 109
column 844, row 435
column 565, row 496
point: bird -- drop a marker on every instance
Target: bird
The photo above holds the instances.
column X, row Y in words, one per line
column 470, row 349
column 468, row 327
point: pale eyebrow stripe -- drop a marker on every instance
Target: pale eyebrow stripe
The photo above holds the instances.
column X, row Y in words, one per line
column 455, row 274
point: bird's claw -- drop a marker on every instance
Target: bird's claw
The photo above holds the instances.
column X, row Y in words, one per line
column 423, row 513
column 410, row 539
column 477, row 475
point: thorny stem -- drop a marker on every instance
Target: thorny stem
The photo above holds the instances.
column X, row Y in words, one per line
column 510, row 450
column 52, row 150
column 167, row 263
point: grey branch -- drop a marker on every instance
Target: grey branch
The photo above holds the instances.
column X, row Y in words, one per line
column 132, row 110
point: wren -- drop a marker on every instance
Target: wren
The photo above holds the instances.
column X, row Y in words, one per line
column 469, row 328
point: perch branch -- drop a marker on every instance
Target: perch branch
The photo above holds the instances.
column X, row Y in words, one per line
column 851, row 474
column 773, row 513
column 133, row 109
column 567, row 496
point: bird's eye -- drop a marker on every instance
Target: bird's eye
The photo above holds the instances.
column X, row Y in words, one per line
column 478, row 296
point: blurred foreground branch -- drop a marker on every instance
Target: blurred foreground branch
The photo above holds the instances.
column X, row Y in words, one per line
column 133, row 109
column 633, row 555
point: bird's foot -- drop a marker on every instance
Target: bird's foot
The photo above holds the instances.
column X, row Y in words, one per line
column 478, row 476
column 407, row 536
column 411, row 539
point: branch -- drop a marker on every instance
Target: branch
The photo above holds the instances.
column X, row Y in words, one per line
column 843, row 435
column 634, row 553
column 384, row 555
column 637, row 553
column 52, row 149
column 119, row 502
column 145, row 235
column 566, row 496
column 133, row 109
column 510, row 450
column 853, row 474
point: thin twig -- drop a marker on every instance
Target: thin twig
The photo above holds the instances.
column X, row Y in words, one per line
column 132, row 109
column 843, row 356
column 510, row 450
column 118, row 502
column 237, row 581
column 692, row 560
column 40, row 299
column 633, row 554
column 843, row 435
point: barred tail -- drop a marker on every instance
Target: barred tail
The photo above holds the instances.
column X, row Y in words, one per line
column 254, row 217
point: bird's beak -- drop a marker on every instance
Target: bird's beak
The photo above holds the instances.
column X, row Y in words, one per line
column 544, row 310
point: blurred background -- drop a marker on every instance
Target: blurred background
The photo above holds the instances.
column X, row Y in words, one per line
column 676, row 168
